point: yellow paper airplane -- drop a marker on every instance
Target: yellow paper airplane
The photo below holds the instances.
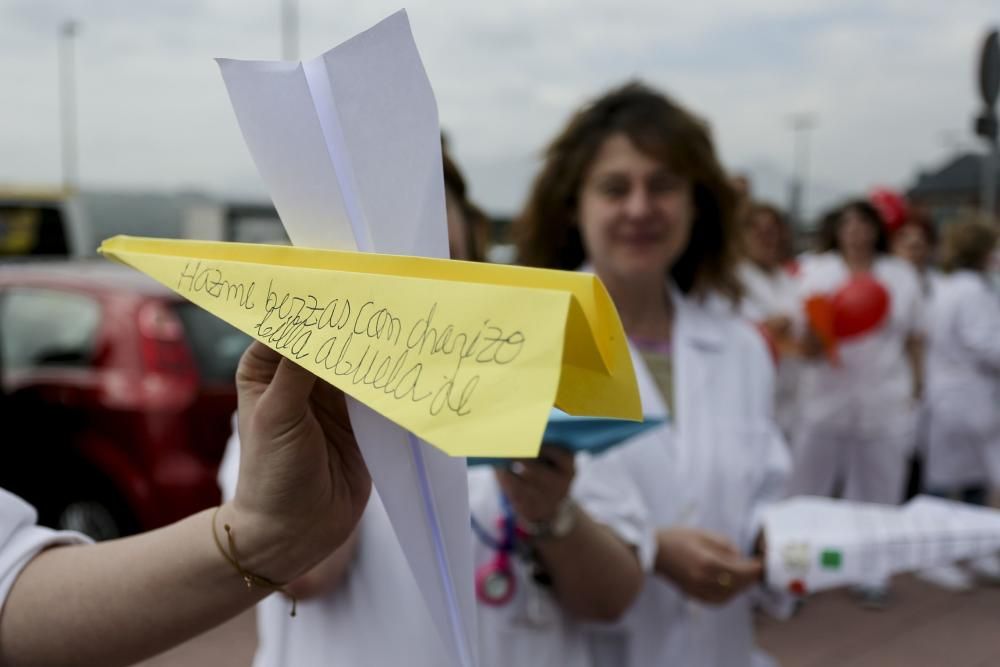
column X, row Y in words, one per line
column 470, row 357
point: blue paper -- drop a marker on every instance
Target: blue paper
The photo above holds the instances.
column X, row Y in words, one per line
column 584, row 434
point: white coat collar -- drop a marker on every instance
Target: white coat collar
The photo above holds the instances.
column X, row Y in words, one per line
column 693, row 320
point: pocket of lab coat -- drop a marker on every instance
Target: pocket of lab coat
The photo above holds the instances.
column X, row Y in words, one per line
column 750, row 464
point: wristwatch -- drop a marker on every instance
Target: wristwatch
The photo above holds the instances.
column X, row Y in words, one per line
column 557, row 527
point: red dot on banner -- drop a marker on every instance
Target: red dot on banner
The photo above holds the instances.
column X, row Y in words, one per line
column 797, row 587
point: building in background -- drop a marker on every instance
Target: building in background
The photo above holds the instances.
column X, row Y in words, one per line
column 941, row 193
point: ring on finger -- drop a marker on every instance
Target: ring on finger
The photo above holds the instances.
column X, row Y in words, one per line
column 724, row 579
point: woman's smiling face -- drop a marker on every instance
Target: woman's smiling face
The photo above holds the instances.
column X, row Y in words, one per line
column 635, row 214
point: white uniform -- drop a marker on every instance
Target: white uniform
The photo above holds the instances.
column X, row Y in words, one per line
column 21, row 539
column 767, row 293
column 930, row 280
column 717, row 462
column 532, row 629
column 963, row 383
column 377, row 616
column 771, row 294
column 857, row 422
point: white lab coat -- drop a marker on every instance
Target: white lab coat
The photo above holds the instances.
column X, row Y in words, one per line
column 963, row 383
column 532, row 629
column 377, row 615
column 772, row 294
column 857, row 422
column 766, row 294
column 716, row 463
column 930, row 279
column 21, row 539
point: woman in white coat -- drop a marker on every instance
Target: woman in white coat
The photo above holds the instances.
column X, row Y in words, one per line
column 771, row 299
column 632, row 190
column 545, row 562
column 362, row 608
column 963, row 374
column 915, row 241
column 963, row 380
column 857, row 421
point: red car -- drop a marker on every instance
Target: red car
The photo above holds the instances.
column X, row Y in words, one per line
column 116, row 396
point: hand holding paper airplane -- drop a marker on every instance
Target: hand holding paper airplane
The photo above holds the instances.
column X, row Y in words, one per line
column 348, row 145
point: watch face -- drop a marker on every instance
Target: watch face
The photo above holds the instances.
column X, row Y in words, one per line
column 495, row 584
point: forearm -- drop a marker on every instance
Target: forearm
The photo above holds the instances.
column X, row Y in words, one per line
column 595, row 575
column 118, row 602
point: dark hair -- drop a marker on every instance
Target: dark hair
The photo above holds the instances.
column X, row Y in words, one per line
column 767, row 208
column 547, row 234
column 833, row 219
column 476, row 222
column 757, row 208
column 922, row 223
column 968, row 243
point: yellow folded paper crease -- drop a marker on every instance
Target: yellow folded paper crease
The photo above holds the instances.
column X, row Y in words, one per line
column 470, row 357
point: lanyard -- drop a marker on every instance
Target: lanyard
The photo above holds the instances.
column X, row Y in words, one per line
column 496, row 582
column 507, row 525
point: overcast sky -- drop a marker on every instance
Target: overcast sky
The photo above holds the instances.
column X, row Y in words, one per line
column 891, row 82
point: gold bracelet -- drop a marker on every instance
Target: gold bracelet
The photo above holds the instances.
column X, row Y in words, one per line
column 249, row 578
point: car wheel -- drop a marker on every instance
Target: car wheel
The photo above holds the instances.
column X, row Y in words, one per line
column 92, row 518
column 92, row 505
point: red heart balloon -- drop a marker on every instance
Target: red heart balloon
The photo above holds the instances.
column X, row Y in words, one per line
column 860, row 306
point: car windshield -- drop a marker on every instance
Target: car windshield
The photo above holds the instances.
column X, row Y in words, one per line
column 217, row 346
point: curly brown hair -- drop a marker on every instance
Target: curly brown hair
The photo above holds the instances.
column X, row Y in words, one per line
column 968, row 243
column 546, row 232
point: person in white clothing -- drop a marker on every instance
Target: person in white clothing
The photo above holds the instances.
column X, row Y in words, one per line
column 570, row 563
column 915, row 241
column 857, row 421
column 771, row 299
column 559, row 561
column 302, row 489
column 963, row 382
column 632, row 190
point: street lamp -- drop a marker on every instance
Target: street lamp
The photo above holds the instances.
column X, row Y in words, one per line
column 289, row 30
column 987, row 125
column 67, row 103
column 800, row 123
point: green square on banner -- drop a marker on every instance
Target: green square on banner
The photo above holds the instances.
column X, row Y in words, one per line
column 831, row 559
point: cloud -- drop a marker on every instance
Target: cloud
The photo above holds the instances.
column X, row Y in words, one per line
column 885, row 78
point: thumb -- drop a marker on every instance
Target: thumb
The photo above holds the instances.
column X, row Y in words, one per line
column 720, row 545
column 286, row 398
column 749, row 569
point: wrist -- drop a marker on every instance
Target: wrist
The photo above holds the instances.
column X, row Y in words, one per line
column 663, row 563
column 561, row 524
column 260, row 544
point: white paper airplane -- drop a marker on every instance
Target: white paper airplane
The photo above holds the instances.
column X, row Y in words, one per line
column 348, row 145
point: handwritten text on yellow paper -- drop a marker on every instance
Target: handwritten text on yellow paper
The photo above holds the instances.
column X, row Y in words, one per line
column 469, row 357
